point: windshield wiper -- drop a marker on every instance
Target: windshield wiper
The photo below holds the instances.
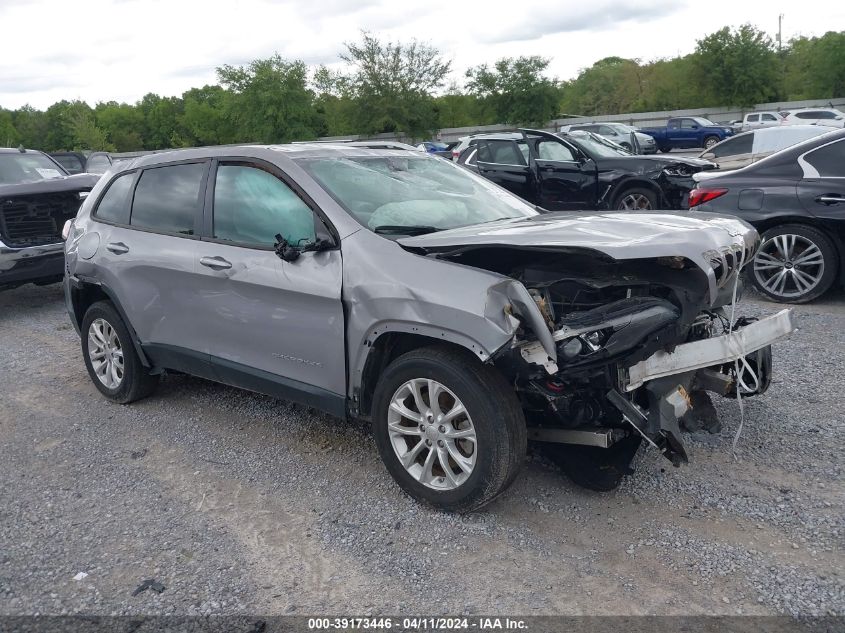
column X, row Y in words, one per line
column 406, row 229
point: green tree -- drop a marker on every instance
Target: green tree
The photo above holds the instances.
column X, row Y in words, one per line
column 271, row 100
column 815, row 67
column 205, row 120
column 392, row 85
column 612, row 84
column 31, row 126
column 123, row 125
column 8, row 134
column 736, row 67
column 515, row 90
column 333, row 103
column 161, row 121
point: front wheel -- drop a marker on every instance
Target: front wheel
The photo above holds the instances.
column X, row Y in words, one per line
column 637, row 199
column 795, row 264
column 449, row 429
column 710, row 141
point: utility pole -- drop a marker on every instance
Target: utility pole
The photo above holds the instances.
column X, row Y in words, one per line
column 780, row 32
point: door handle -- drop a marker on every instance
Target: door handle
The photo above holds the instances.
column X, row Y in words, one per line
column 215, row 263
column 830, row 199
column 118, row 248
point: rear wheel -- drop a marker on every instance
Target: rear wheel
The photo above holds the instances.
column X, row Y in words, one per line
column 665, row 150
column 795, row 264
column 110, row 356
column 636, row 199
column 449, row 429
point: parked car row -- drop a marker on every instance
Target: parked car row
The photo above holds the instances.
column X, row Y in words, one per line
column 79, row 163
column 580, row 170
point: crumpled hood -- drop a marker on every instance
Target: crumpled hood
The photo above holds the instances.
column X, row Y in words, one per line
column 621, row 236
column 77, row 182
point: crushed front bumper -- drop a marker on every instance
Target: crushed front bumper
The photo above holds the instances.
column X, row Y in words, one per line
column 708, row 352
column 671, row 379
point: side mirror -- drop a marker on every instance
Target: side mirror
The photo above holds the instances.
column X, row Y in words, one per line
column 694, row 127
column 284, row 250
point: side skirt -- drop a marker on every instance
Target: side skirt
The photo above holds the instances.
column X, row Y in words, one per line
column 245, row 377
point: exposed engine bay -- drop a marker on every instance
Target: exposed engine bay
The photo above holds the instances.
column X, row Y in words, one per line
column 607, row 317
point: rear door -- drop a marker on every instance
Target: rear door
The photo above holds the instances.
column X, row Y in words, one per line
column 503, row 162
column 267, row 321
column 822, row 190
column 566, row 180
column 149, row 224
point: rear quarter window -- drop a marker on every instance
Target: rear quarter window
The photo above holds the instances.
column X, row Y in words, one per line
column 114, row 203
column 828, row 160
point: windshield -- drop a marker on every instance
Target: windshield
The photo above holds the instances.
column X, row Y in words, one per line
column 22, row 167
column 627, row 129
column 703, row 122
column 401, row 191
column 598, row 146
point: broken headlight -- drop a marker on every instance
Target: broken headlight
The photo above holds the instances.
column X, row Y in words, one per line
column 682, row 171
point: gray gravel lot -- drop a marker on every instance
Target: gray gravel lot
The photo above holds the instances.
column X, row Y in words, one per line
column 237, row 502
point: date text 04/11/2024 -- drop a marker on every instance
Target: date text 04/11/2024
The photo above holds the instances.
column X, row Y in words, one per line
column 417, row 624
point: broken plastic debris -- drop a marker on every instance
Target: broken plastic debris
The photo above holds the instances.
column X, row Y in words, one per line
column 80, row 576
column 151, row 584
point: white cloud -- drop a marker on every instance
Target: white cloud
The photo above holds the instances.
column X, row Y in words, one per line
column 119, row 50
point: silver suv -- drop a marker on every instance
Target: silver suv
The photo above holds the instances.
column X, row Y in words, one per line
column 400, row 288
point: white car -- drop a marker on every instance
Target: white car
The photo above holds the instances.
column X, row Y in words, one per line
column 749, row 147
column 815, row 116
column 757, row 120
column 619, row 133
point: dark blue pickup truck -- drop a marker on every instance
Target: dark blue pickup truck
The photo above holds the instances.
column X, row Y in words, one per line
column 686, row 132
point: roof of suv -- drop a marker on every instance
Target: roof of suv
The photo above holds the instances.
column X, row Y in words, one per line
column 310, row 150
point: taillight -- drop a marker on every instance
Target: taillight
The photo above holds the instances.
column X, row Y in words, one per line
column 700, row 196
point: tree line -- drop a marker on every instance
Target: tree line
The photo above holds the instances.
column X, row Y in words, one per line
column 406, row 87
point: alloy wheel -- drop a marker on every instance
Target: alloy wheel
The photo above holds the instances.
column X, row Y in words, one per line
column 789, row 266
column 432, row 434
column 105, row 353
column 635, row 202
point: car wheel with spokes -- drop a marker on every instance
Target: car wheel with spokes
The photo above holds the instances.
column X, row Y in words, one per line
column 449, row 429
column 710, row 141
column 794, row 264
column 637, row 199
column 110, row 357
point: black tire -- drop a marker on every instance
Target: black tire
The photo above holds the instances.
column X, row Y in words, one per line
column 648, row 194
column 496, row 416
column 626, row 146
column 710, row 141
column 136, row 382
column 594, row 468
column 665, row 150
column 830, row 264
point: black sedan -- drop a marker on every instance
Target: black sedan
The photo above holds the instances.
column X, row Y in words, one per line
column 796, row 200
column 580, row 170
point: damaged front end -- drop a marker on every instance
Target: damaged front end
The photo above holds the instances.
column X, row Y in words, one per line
column 635, row 349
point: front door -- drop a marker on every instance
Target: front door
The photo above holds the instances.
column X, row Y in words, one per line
column 822, row 190
column 268, row 321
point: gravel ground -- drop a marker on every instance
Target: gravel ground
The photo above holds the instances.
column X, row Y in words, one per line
column 237, row 502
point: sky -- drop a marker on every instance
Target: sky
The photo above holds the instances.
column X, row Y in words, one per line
column 119, row 50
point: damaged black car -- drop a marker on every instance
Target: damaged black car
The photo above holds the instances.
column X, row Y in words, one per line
column 581, row 170
column 37, row 197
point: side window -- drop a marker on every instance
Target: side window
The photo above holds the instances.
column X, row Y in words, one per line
column 502, row 152
column 551, row 150
column 674, row 124
column 824, row 114
column 768, row 117
column 98, row 164
column 753, row 118
column 732, row 147
column 829, row 160
column 471, row 158
column 167, row 199
column 604, row 130
column 688, row 124
column 114, row 204
column 811, row 114
column 251, row 206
